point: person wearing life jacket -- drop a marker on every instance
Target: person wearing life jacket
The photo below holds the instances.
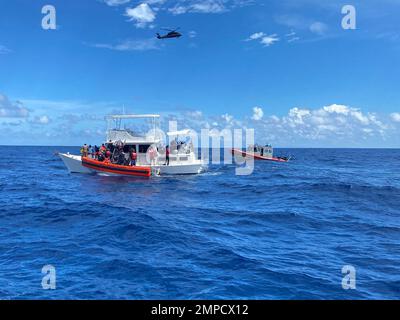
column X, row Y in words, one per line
column 133, row 157
column 96, row 152
column 84, row 150
column 90, row 151
column 108, row 154
column 101, row 157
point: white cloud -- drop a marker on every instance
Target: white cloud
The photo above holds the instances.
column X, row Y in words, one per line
column 177, row 10
column 274, row 118
column 297, row 115
column 227, row 117
column 131, row 45
column 333, row 122
column 367, row 130
column 256, row 36
column 395, row 116
column 4, row 50
column 269, row 40
column 295, row 21
column 334, row 125
column 192, row 34
column 258, row 113
column 114, row 3
column 337, row 108
column 195, row 114
column 154, row 2
column 208, row 6
column 142, row 15
column 41, row 120
column 293, row 39
column 291, row 34
column 10, row 109
column 264, row 39
column 318, row 28
column 360, row 117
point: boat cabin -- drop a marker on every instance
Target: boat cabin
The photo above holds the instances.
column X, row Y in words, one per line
column 141, row 140
column 118, row 132
column 263, row 151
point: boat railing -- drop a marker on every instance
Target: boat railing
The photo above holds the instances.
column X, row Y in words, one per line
column 174, row 158
column 128, row 135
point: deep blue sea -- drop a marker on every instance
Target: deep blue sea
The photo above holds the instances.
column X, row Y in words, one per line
column 284, row 232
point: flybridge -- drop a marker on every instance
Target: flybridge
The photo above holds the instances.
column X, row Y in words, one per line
column 118, row 128
column 114, row 123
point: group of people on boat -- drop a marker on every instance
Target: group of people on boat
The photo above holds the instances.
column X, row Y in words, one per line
column 110, row 153
column 94, row 152
column 266, row 150
column 119, row 153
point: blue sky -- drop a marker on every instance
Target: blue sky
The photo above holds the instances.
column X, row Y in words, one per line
column 286, row 68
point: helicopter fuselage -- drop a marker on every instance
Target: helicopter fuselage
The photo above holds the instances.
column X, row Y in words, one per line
column 169, row 35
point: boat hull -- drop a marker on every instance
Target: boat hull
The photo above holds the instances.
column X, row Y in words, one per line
column 115, row 169
column 195, row 168
column 74, row 163
column 250, row 155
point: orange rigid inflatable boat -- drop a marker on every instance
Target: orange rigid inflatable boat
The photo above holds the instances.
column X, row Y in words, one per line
column 116, row 169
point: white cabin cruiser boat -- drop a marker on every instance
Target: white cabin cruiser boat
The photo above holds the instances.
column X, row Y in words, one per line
column 182, row 158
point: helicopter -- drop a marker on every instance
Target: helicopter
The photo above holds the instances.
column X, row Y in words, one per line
column 171, row 34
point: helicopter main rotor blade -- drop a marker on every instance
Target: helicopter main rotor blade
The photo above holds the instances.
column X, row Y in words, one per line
column 170, row 29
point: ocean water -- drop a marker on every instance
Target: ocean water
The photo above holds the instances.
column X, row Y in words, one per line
column 284, row 232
